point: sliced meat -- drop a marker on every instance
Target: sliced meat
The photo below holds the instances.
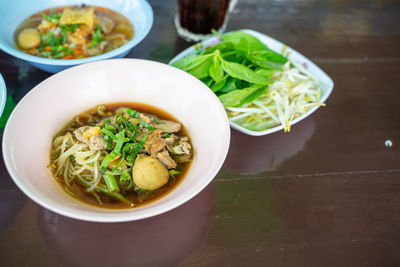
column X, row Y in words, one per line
column 179, row 145
column 166, row 159
column 183, row 147
column 180, row 148
column 168, row 126
column 182, row 151
column 157, row 147
column 79, row 134
column 106, row 24
column 90, row 136
column 116, row 40
column 172, row 139
column 155, row 143
column 97, row 142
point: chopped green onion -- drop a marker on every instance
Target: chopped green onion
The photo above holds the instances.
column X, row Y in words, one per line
column 146, row 125
column 130, row 151
column 132, row 113
column 110, row 127
column 144, row 138
column 53, row 18
column 172, row 173
column 124, row 177
column 120, row 141
column 111, row 183
column 127, row 124
column 119, row 164
column 109, row 133
column 96, row 37
column 69, row 27
column 135, row 114
column 158, row 121
column 108, row 141
column 105, row 191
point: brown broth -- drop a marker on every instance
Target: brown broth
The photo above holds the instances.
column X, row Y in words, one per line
column 110, row 202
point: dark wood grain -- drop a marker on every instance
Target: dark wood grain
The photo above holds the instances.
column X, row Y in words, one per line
column 312, row 220
column 325, row 194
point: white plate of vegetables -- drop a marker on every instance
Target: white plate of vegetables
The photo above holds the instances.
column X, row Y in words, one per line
column 264, row 85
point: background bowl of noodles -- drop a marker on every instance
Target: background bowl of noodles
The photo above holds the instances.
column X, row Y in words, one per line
column 139, row 13
column 49, row 106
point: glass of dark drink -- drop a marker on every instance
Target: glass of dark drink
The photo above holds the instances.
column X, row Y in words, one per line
column 195, row 19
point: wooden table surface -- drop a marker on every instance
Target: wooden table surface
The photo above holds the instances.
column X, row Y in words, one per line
column 325, row 194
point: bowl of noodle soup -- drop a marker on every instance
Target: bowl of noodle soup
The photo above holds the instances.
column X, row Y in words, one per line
column 52, row 105
column 13, row 13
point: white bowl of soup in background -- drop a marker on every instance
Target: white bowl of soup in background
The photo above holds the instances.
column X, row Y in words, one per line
column 13, row 12
column 49, row 106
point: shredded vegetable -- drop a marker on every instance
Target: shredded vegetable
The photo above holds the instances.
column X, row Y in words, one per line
column 291, row 94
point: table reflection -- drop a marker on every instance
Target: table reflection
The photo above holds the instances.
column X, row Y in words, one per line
column 161, row 240
column 266, row 153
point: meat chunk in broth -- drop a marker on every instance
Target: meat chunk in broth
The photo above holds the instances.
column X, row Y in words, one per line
column 155, row 143
column 166, row 159
column 168, row 126
column 91, row 136
column 106, row 24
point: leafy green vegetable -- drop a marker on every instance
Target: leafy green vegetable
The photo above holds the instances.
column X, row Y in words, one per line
column 238, row 69
column 236, row 37
column 237, row 98
column 219, row 85
column 267, row 59
column 267, row 73
column 209, row 82
column 216, row 70
column 202, row 70
column 238, row 55
column 223, row 47
column 189, row 62
column 241, row 72
column 229, row 86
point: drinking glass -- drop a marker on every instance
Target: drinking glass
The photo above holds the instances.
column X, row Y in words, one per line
column 195, row 19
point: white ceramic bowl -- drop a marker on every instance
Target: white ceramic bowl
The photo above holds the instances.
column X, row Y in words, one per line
column 13, row 12
column 323, row 80
column 51, row 104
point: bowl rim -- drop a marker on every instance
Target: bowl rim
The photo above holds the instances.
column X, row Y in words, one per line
column 267, row 40
column 3, row 94
column 121, row 216
column 148, row 11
